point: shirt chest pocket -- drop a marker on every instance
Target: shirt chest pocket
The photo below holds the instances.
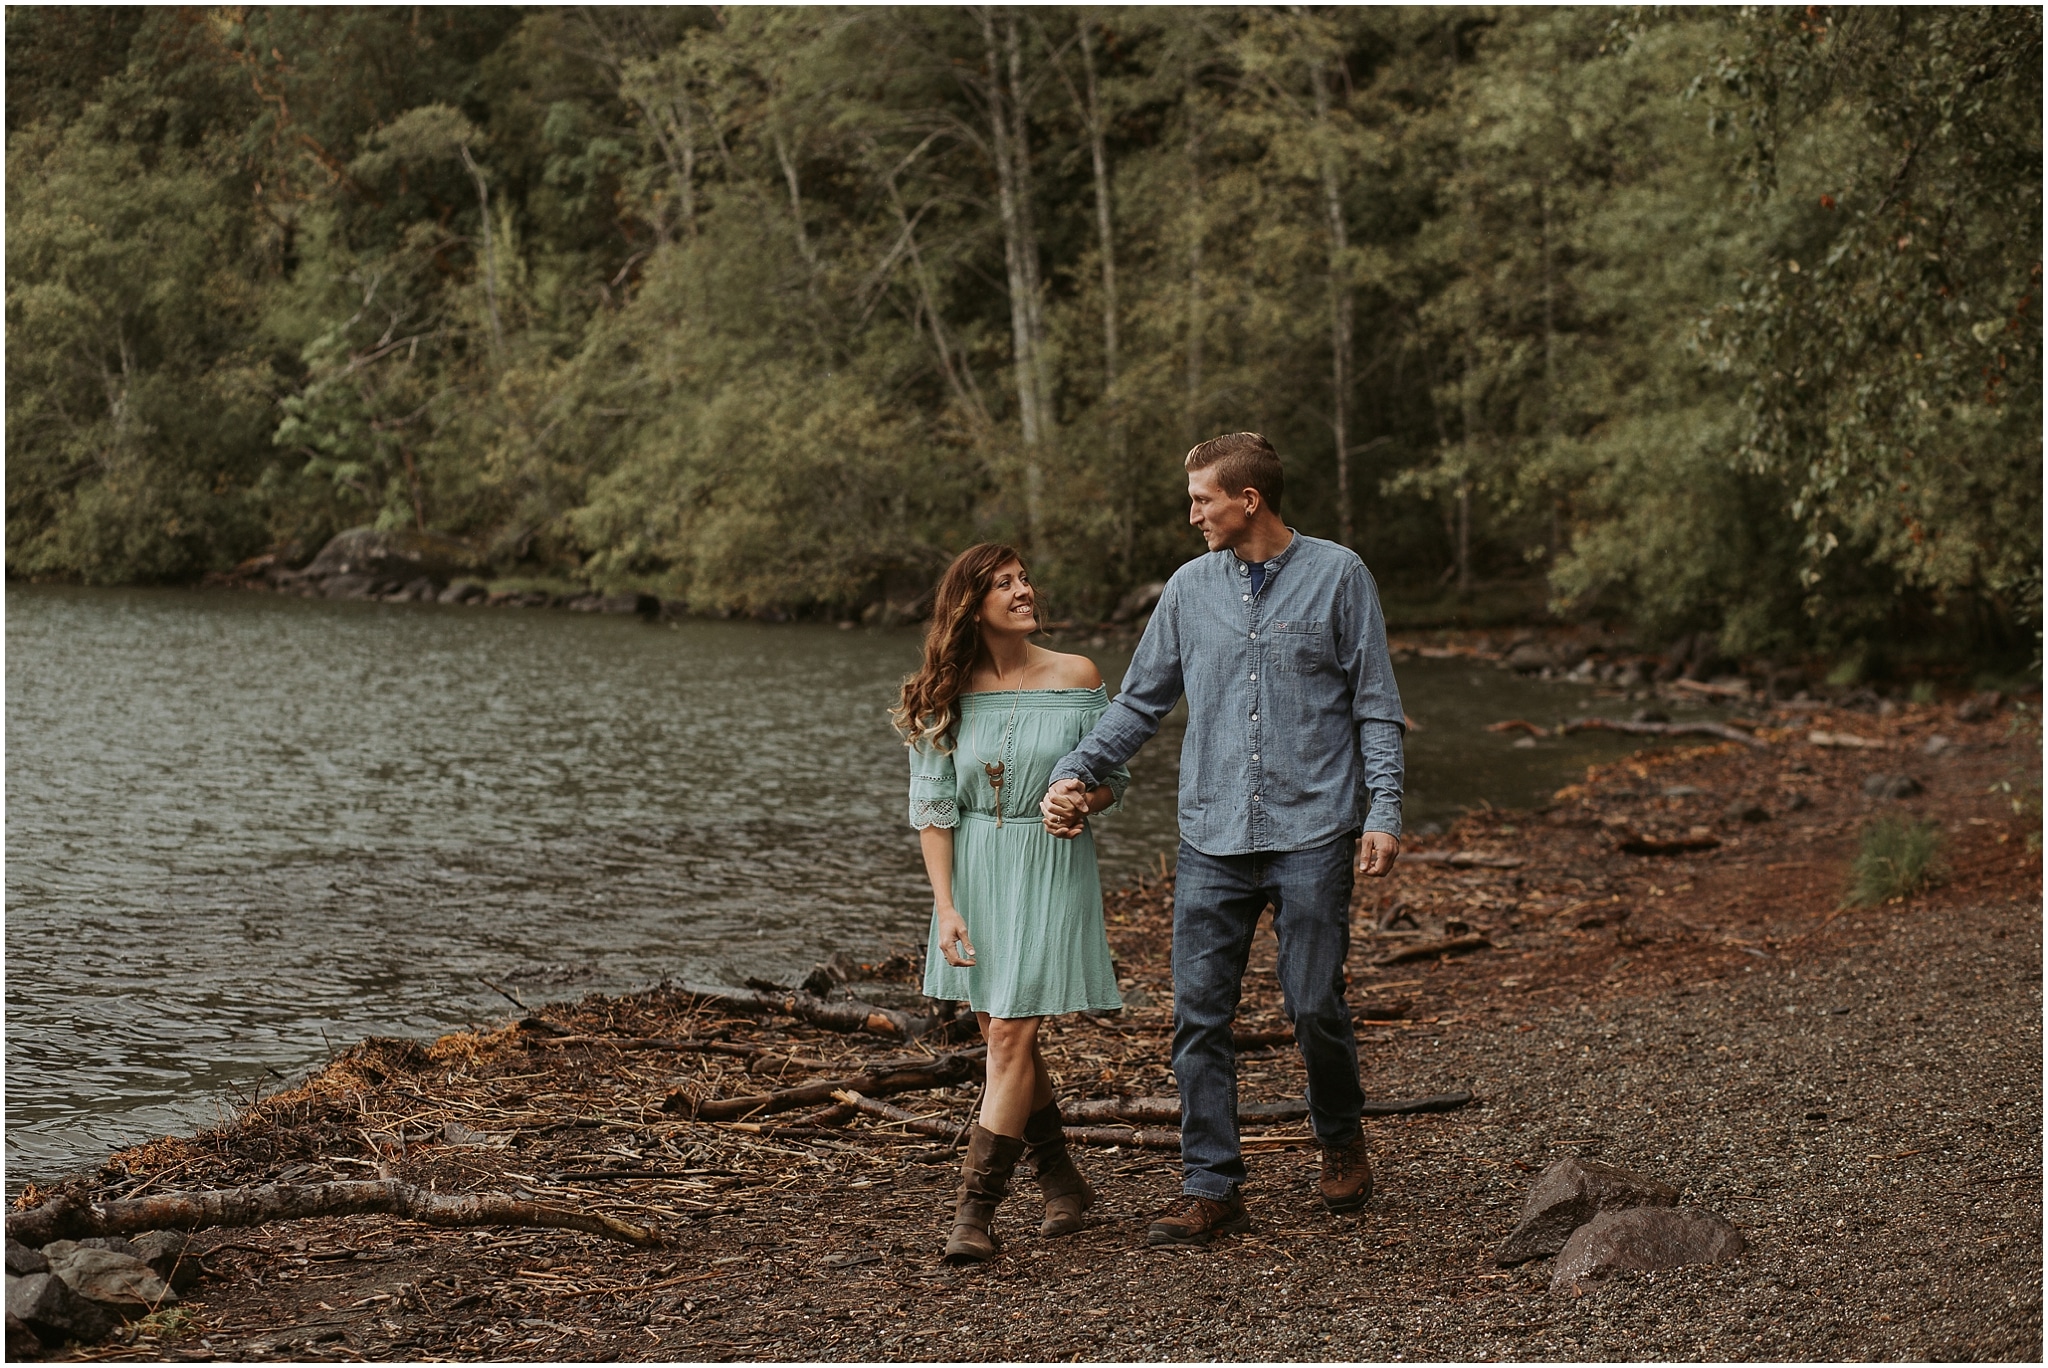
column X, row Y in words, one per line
column 1300, row 647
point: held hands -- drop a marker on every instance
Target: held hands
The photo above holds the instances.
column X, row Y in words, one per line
column 1377, row 852
column 953, row 942
column 1065, row 808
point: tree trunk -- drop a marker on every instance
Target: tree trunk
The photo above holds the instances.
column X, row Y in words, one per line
column 1339, row 288
column 483, row 199
column 796, row 213
column 1105, row 236
column 1012, row 156
column 1191, row 414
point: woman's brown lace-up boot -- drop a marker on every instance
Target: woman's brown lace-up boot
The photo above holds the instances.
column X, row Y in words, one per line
column 1067, row 1193
column 984, row 1182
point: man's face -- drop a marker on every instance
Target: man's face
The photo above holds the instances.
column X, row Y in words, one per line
column 1224, row 519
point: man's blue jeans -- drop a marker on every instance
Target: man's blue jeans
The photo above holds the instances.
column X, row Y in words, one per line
column 1217, row 900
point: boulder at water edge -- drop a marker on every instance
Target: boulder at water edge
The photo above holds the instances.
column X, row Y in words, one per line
column 45, row 1305
column 115, row 1280
column 401, row 555
column 1643, row 1240
column 1570, row 1193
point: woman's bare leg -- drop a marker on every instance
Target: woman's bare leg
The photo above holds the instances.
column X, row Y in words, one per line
column 1017, row 1081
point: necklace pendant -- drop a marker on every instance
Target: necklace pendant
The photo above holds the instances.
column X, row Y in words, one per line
column 995, row 782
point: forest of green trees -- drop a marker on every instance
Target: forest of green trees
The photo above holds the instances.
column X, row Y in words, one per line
column 1720, row 320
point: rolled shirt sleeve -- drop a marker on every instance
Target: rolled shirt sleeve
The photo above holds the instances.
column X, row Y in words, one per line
column 1152, row 685
column 1375, row 701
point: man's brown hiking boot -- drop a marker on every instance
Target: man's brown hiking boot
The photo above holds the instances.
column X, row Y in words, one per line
column 984, row 1182
column 1067, row 1193
column 1192, row 1220
column 1347, row 1175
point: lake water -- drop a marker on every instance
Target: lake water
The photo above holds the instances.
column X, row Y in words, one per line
column 244, row 829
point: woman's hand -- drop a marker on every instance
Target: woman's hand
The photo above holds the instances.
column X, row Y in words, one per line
column 1065, row 808
column 953, row 942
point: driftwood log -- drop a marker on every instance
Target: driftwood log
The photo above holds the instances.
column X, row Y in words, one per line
column 62, row 1218
column 953, row 1130
column 833, row 1016
column 1456, row 945
column 1720, row 729
column 1465, row 859
column 1165, row 1111
column 941, row 1072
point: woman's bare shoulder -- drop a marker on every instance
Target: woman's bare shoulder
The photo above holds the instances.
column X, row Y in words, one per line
column 1071, row 672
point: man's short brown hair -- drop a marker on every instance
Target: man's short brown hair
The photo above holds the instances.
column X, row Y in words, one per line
column 1242, row 460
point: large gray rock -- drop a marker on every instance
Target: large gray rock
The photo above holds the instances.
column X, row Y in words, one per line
column 1892, row 786
column 1570, row 1193
column 22, row 1342
column 49, row 1308
column 21, row 1260
column 119, row 1282
column 1643, row 1240
column 402, row 555
column 1142, row 599
column 170, row 1255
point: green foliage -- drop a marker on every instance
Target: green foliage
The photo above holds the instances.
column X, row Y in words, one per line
column 773, row 309
column 1895, row 857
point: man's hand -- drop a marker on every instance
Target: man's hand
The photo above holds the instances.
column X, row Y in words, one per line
column 1377, row 852
column 1065, row 808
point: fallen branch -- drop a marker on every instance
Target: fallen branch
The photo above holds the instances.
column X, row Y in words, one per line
column 1165, row 1111
column 1845, row 741
column 834, row 1016
column 1674, row 845
column 942, row 1072
column 63, row 1218
column 1517, row 724
column 1079, row 1135
column 1733, row 689
column 1465, row 859
column 1456, row 945
column 1720, row 729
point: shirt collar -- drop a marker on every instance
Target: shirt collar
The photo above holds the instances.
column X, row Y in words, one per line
column 1276, row 561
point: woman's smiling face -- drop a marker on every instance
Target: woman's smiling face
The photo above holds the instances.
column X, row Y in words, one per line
column 1009, row 605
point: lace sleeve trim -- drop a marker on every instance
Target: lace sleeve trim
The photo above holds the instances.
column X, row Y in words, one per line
column 934, row 812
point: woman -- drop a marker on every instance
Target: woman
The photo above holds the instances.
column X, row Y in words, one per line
column 1016, row 912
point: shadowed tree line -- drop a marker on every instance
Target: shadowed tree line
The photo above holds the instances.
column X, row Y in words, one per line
column 1712, row 320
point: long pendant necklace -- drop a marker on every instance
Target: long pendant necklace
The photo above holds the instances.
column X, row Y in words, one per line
column 994, row 769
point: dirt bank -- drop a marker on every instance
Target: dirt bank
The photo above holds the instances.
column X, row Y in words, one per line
column 1859, row 1091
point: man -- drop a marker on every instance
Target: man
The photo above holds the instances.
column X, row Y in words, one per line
column 1293, row 750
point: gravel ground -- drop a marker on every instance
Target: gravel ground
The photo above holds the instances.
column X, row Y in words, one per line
column 1859, row 1091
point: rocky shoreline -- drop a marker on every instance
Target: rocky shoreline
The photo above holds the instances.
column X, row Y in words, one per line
column 1656, row 975
column 365, row 564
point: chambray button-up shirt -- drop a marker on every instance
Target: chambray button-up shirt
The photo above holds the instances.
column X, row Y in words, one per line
column 1294, row 720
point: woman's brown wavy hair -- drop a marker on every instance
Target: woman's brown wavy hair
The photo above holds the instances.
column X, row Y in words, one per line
column 927, row 709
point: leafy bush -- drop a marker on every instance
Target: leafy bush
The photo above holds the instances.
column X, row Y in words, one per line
column 1897, row 857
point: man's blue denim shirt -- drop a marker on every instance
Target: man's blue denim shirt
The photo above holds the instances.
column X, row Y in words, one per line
column 1294, row 720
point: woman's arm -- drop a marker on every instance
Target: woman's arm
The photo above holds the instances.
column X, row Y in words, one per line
column 937, row 844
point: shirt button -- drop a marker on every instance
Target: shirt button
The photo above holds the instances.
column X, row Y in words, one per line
column 1255, row 797
column 1255, row 636
column 1255, row 755
column 1255, row 717
column 1247, row 598
column 1255, row 679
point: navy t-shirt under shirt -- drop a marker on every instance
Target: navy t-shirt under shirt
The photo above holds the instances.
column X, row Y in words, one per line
column 1258, row 574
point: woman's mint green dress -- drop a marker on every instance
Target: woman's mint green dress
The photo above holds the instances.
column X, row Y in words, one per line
column 1032, row 901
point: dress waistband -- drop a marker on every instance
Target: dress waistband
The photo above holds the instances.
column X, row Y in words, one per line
column 1009, row 818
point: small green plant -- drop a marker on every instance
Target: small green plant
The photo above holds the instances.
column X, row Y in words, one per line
column 1923, row 691
column 169, row 1321
column 1897, row 857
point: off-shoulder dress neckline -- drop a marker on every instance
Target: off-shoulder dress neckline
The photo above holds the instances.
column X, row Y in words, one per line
column 1005, row 694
